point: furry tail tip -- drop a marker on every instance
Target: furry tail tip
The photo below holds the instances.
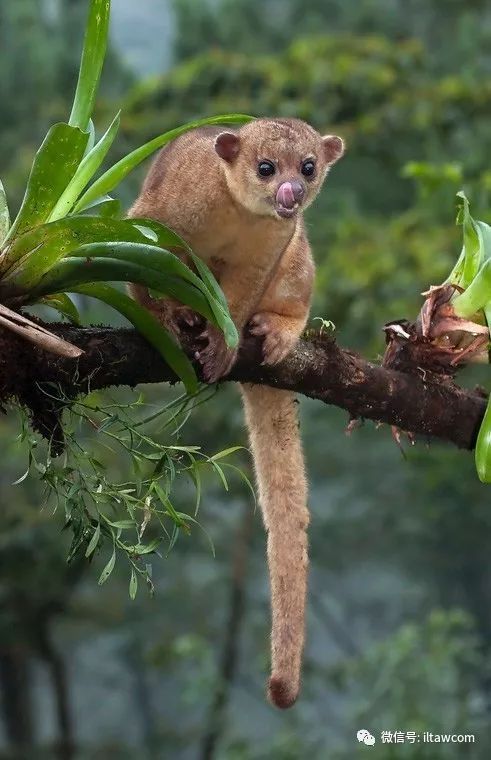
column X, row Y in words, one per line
column 281, row 693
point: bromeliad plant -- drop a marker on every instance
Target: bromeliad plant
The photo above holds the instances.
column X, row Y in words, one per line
column 69, row 237
column 454, row 324
column 471, row 304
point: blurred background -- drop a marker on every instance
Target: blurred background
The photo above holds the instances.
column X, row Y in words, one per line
column 399, row 623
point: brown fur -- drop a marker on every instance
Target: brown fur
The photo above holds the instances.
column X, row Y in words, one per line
column 205, row 185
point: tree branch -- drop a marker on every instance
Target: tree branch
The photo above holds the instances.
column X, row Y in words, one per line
column 318, row 368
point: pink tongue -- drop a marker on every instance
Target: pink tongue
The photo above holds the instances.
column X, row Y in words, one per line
column 285, row 196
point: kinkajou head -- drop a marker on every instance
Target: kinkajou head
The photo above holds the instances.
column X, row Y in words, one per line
column 276, row 168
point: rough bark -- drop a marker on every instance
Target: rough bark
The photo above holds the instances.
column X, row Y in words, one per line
column 418, row 401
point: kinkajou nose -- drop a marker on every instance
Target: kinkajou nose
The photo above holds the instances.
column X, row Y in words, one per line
column 298, row 190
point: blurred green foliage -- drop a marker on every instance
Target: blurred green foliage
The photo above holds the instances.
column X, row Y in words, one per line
column 380, row 238
column 400, row 622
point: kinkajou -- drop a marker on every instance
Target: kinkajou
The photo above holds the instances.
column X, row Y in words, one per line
column 237, row 197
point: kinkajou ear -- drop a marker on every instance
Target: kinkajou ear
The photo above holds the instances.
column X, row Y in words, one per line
column 227, row 145
column 333, row 148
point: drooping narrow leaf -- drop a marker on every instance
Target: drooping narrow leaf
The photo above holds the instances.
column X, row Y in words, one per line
column 218, row 303
column 148, row 326
column 93, row 54
column 122, row 168
column 133, row 587
column 86, row 170
column 94, row 541
column 4, row 214
column 108, row 568
column 54, row 166
column 483, row 448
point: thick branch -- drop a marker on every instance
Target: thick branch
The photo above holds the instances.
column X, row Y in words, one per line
column 317, row 368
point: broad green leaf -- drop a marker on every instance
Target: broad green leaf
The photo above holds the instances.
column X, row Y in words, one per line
column 54, row 166
column 64, row 305
column 144, row 264
column 93, row 54
column 484, row 232
column 4, row 214
column 108, row 568
column 86, row 170
column 33, row 254
column 94, row 541
column 72, row 272
column 122, row 168
column 148, row 326
column 477, row 295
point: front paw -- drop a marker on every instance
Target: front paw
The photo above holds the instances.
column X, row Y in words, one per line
column 278, row 339
column 188, row 322
column 216, row 358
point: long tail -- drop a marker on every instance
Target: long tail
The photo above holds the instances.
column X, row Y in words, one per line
column 272, row 419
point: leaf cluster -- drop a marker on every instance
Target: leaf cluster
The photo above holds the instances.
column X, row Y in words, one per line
column 69, row 236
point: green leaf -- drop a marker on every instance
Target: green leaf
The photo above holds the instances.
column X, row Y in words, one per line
column 106, row 207
column 477, row 295
column 483, row 448
column 221, row 474
column 225, row 453
column 4, row 214
column 54, row 166
column 210, row 281
column 484, row 233
column 144, row 548
column 171, row 277
column 123, row 524
column 86, row 170
column 33, row 254
column 91, row 141
column 122, row 168
column 133, row 588
column 148, row 326
column 93, row 54
column 218, row 303
column 64, row 305
column 108, row 568
column 94, row 541
column 472, row 259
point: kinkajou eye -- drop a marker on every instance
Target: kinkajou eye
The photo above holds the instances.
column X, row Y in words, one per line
column 308, row 168
column 266, row 169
